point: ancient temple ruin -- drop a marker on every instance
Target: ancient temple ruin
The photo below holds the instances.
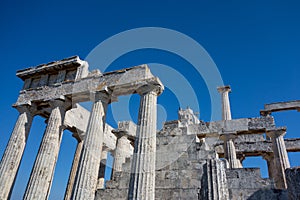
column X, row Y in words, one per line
column 187, row 159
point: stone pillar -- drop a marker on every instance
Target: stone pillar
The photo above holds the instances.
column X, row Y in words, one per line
column 73, row 171
column 101, row 175
column 120, row 154
column 269, row 157
column 281, row 160
column 226, row 112
column 14, row 151
column 229, row 150
column 41, row 177
column 142, row 180
column 87, row 174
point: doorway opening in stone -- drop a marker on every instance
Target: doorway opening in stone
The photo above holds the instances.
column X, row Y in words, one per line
column 257, row 162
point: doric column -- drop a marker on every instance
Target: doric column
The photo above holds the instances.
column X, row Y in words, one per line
column 142, row 180
column 14, row 151
column 269, row 157
column 226, row 112
column 87, row 174
column 229, row 150
column 101, row 175
column 120, row 153
column 41, row 177
column 73, row 171
column 281, row 160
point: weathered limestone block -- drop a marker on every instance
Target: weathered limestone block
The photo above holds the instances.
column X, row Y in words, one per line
column 246, row 183
column 293, row 182
column 281, row 106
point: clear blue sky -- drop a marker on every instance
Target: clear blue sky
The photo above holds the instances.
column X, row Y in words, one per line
column 255, row 45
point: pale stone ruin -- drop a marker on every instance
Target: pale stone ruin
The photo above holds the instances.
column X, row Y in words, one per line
column 187, row 159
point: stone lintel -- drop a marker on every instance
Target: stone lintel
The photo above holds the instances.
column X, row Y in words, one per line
column 121, row 82
column 278, row 131
column 259, row 148
column 67, row 63
column 281, row 106
column 240, row 126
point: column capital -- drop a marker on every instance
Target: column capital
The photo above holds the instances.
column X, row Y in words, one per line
column 223, row 89
column 275, row 133
column 268, row 156
column 154, row 86
column 228, row 136
column 104, row 96
column 27, row 108
column 58, row 103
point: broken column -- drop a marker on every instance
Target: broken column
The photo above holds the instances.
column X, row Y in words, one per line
column 229, row 150
column 125, row 134
column 120, row 154
column 14, row 151
column 42, row 173
column 281, row 160
column 87, row 174
column 214, row 183
column 142, row 180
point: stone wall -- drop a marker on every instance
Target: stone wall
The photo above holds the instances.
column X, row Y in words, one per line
column 293, row 181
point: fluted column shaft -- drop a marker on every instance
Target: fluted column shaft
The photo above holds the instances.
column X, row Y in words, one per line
column 229, row 151
column 142, row 180
column 226, row 111
column 120, row 154
column 87, row 174
column 281, row 160
column 73, row 171
column 39, row 185
column 14, row 151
